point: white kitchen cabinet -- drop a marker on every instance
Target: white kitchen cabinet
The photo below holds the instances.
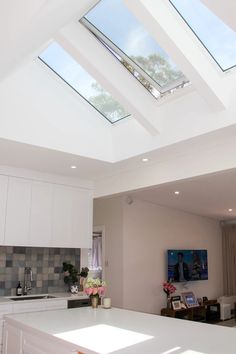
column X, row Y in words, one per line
column 18, row 212
column 21, row 340
column 72, row 217
column 29, row 348
column 82, row 214
column 4, row 310
column 41, row 214
column 39, row 305
column 61, row 217
column 24, row 307
column 3, row 204
column 37, row 344
column 58, row 304
column 12, row 340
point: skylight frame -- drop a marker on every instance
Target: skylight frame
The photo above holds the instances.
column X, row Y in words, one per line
column 77, row 92
column 117, row 52
column 199, row 39
column 136, row 74
column 113, row 48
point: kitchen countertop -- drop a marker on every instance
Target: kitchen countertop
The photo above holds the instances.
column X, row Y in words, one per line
column 105, row 331
column 65, row 295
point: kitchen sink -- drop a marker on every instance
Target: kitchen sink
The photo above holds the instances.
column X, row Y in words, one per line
column 32, row 297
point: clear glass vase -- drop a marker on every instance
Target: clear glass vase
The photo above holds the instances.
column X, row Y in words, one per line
column 168, row 303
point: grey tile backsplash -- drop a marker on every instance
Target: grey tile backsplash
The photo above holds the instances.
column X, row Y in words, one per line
column 46, row 264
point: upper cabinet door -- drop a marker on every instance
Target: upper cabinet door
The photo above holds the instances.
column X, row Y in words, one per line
column 41, row 214
column 82, row 214
column 3, row 204
column 18, row 212
column 61, row 216
column 72, row 217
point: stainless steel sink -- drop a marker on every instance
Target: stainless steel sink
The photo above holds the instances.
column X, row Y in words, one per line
column 32, row 297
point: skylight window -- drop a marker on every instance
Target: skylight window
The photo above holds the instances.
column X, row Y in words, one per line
column 68, row 69
column 121, row 32
column 214, row 34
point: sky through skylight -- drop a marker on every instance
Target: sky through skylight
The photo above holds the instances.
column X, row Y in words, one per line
column 120, row 26
column 215, row 35
column 77, row 78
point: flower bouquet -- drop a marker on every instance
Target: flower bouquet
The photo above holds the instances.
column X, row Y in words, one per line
column 169, row 289
column 94, row 288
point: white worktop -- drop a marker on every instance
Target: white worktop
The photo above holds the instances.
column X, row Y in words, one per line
column 63, row 295
column 105, row 331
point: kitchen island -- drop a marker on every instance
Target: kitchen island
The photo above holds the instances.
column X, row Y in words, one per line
column 37, row 302
column 103, row 331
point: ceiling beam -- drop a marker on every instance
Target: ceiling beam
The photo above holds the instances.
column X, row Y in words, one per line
column 170, row 31
column 26, row 25
column 84, row 48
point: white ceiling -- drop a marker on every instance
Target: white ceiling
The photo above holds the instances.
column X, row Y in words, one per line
column 46, row 127
column 210, row 195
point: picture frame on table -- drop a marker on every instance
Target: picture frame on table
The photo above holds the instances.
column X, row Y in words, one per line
column 190, row 299
column 176, row 305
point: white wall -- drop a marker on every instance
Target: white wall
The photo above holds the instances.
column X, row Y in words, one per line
column 109, row 213
column 148, row 231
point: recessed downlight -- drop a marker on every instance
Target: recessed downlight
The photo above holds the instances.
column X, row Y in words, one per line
column 145, row 159
column 73, row 167
column 230, row 210
column 177, row 192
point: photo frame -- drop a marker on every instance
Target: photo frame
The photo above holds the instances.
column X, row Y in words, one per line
column 176, row 305
column 175, row 298
column 189, row 299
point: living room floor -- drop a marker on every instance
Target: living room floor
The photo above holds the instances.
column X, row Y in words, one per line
column 227, row 323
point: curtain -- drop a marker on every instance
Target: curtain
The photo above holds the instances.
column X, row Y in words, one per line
column 97, row 253
column 229, row 259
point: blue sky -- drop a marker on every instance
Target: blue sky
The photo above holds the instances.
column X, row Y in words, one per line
column 215, row 34
column 113, row 19
column 73, row 73
column 117, row 23
column 69, row 69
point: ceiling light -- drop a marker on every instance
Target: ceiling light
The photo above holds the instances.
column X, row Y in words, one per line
column 177, row 192
column 145, row 159
column 230, row 210
column 73, row 166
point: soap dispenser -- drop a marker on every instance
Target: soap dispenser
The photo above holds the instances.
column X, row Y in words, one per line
column 19, row 289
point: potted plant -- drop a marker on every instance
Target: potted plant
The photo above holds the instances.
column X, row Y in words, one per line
column 94, row 288
column 70, row 274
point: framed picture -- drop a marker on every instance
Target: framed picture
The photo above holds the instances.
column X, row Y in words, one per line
column 190, row 299
column 176, row 305
column 175, row 298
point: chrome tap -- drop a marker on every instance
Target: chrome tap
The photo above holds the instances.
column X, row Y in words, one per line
column 28, row 278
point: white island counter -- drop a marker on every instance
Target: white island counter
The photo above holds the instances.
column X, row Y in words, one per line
column 104, row 331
